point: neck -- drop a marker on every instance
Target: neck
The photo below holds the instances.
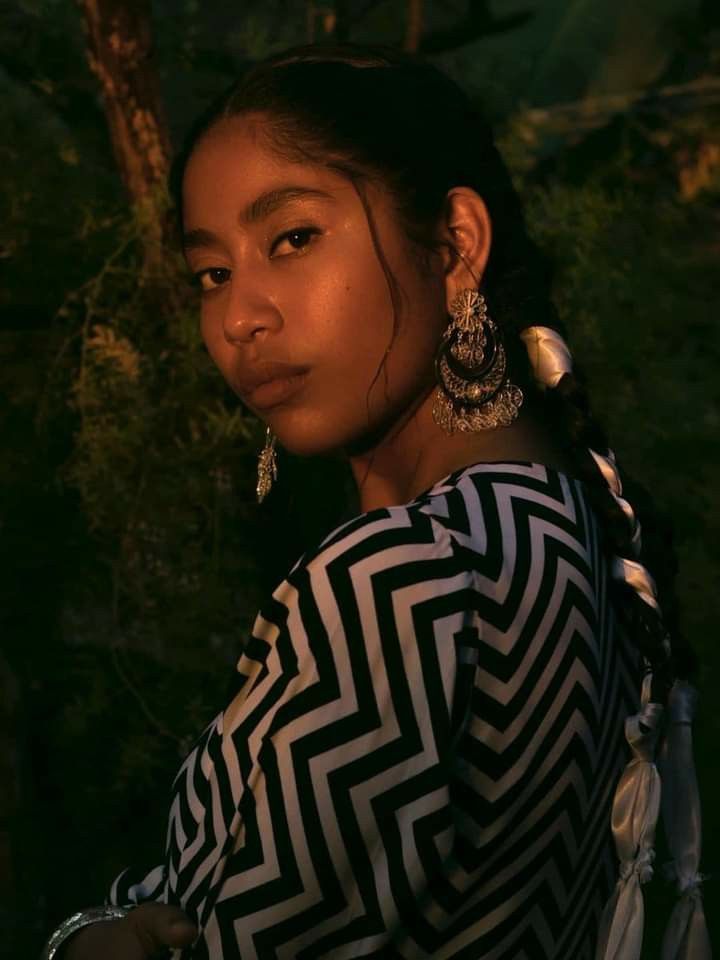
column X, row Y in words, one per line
column 415, row 454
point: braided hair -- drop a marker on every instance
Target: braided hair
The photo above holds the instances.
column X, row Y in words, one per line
column 376, row 114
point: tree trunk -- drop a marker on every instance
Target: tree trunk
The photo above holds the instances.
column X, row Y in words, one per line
column 119, row 49
column 323, row 14
column 414, row 26
column 333, row 18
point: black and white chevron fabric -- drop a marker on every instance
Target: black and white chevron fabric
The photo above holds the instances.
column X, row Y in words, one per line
column 420, row 757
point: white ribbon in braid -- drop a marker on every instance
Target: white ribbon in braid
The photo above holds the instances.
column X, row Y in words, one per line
column 637, row 802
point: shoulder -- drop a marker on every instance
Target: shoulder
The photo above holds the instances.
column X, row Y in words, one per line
column 368, row 574
column 539, row 486
column 490, row 508
column 486, row 509
column 472, row 530
column 393, row 545
column 366, row 611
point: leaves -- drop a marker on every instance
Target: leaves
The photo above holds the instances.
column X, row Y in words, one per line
column 117, row 351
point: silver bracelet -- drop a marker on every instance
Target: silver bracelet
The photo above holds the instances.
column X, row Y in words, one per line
column 76, row 922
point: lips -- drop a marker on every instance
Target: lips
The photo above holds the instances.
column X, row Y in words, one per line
column 270, row 383
column 265, row 372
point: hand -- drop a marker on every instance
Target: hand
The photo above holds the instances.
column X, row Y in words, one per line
column 143, row 934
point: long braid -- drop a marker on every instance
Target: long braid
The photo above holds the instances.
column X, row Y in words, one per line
column 568, row 404
column 517, row 285
column 559, row 386
column 517, row 288
column 637, row 799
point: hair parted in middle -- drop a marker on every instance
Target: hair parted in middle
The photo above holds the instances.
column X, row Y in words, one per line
column 377, row 115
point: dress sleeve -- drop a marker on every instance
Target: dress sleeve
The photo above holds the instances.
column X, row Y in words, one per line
column 134, row 886
column 315, row 816
column 140, row 883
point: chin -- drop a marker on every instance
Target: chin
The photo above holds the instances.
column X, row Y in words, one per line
column 319, row 435
column 307, row 440
column 325, row 439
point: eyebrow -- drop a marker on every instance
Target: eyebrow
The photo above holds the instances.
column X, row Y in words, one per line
column 271, row 200
column 257, row 210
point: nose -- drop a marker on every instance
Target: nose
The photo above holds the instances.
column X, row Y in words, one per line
column 248, row 314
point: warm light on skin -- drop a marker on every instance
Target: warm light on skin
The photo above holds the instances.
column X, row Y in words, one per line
column 320, row 299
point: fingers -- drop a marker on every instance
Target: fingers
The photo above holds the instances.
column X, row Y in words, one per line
column 159, row 925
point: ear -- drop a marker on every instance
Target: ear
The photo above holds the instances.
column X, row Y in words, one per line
column 464, row 237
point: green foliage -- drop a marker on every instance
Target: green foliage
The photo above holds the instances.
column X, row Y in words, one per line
column 155, row 567
column 160, row 461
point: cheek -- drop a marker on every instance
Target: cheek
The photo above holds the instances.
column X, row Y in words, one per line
column 341, row 313
column 420, row 324
column 370, row 338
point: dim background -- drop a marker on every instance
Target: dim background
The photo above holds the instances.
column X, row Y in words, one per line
column 133, row 554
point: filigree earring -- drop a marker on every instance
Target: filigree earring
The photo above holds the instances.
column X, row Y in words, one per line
column 473, row 392
column 267, row 467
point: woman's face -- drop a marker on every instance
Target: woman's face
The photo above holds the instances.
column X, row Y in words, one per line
column 290, row 276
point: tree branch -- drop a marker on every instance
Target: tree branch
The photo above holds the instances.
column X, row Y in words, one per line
column 592, row 111
column 414, row 26
column 478, row 22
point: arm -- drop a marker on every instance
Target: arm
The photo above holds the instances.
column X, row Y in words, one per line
column 328, row 806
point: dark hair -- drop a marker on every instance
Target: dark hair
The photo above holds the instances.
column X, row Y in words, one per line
column 375, row 114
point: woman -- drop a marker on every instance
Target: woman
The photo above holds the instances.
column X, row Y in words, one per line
column 427, row 729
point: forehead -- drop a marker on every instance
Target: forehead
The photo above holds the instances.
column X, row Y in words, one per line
column 233, row 163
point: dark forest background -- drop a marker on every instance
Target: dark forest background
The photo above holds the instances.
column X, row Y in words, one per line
column 133, row 554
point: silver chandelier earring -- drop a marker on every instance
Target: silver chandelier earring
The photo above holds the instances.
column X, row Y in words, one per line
column 473, row 391
column 267, row 466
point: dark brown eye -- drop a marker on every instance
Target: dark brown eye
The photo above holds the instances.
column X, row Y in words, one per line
column 298, row 238
column 212, row 278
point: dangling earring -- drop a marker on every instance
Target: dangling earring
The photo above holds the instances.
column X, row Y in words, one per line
column 267, row 467
column 470, row 365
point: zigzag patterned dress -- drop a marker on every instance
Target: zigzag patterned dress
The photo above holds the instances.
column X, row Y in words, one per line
column 420, row 757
